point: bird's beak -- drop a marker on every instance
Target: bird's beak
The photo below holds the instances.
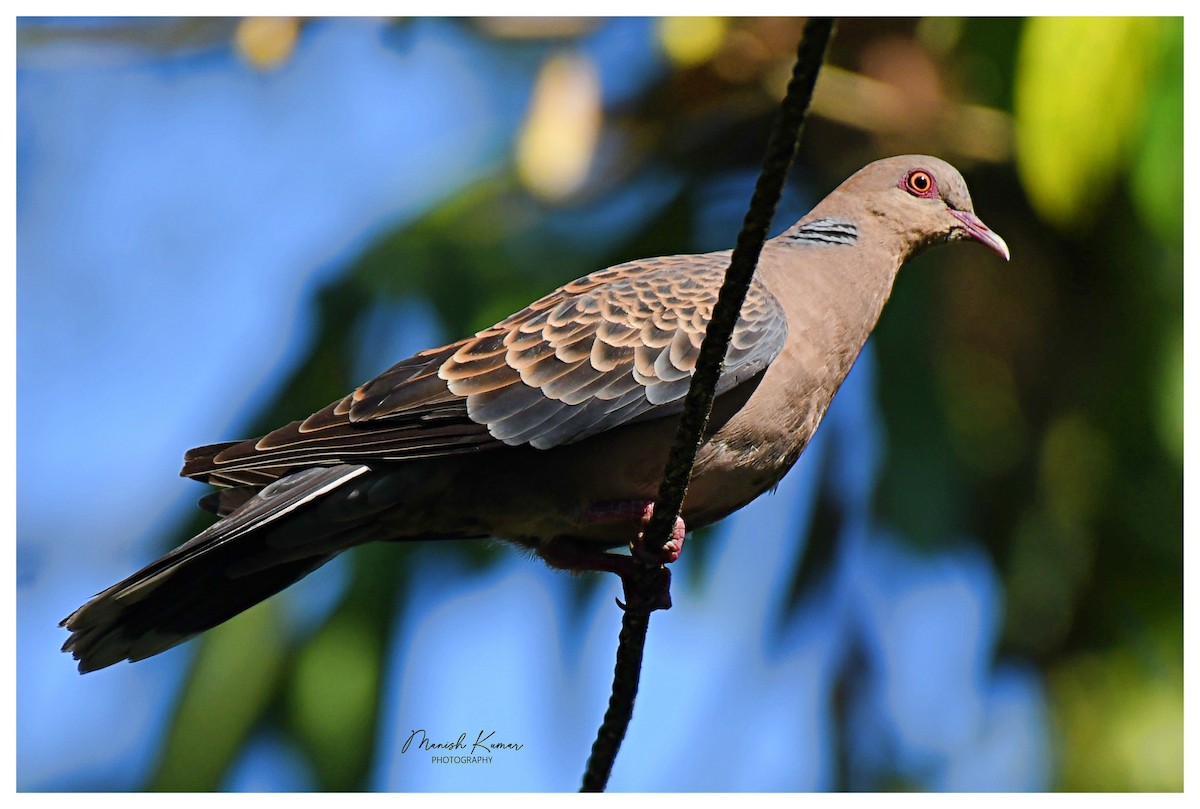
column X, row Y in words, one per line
column 981, row 233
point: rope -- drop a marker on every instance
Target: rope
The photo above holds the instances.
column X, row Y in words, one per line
column 649, row 586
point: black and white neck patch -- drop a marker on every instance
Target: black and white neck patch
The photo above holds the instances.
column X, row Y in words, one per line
column 826, row 231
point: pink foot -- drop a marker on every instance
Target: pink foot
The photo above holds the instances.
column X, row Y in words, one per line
column 640, row 593
column 666, row 554
column 621, row 510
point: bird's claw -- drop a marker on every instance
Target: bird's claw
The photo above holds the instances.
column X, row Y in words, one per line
column 645, row 580
column 642, row 595
column 666, row 554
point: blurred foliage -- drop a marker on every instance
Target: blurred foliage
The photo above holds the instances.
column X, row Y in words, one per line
column 266, row 42
column 332, row 693
column 1036, row 407
column 559, row 137
column 691, row 41
column 234, row 677
column 1081, row 106
column 1119, row 716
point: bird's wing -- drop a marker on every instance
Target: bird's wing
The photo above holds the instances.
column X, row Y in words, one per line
column 609, row 349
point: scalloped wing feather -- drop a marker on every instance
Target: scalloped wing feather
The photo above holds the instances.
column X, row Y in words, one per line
column 609, row 349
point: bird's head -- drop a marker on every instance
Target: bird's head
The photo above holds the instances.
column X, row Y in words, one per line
column 921, row 198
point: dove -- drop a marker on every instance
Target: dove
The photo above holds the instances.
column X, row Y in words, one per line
column 551, row 428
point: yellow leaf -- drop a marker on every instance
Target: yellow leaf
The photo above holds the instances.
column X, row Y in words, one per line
column 691, row 41
column 266, row 42
column 556, row 145
column 1079, row 103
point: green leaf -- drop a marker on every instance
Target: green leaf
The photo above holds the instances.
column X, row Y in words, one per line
column 231, row 684
column 333, row 700
column 1080, row 98
column 1157, row 181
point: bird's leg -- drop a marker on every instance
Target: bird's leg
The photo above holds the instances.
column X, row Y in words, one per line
column 657, row 596
column 620, row 510
column 569, row 556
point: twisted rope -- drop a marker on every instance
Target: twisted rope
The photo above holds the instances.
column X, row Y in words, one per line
column 650, row 584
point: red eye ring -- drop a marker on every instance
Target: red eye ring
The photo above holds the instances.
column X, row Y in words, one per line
column 919, row 183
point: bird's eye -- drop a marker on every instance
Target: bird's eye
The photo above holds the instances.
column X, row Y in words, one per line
column 920, row 183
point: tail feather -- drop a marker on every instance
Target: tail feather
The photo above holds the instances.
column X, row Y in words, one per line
column 197, row 596
column 259, row 549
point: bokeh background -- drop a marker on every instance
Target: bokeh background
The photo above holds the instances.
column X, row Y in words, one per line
column 972, row 580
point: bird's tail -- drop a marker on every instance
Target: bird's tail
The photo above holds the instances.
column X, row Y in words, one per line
column 237, row 562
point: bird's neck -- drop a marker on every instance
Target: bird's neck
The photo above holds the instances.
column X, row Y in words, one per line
column 843, row 268
column 833, row 289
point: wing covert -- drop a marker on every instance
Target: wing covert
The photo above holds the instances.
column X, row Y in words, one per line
column 612, row 348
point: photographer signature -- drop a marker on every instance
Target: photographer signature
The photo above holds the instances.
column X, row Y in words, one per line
column 484, row 743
